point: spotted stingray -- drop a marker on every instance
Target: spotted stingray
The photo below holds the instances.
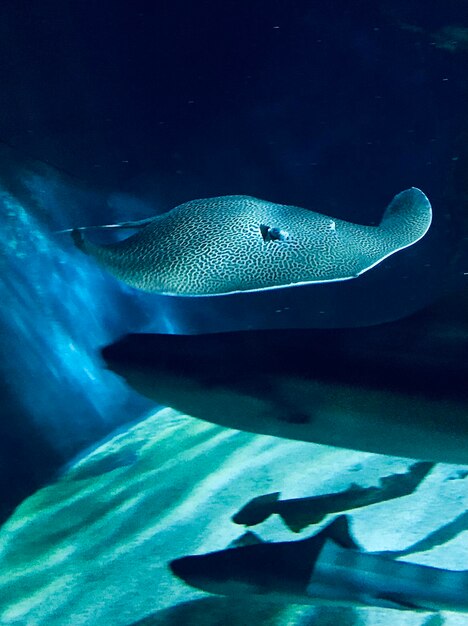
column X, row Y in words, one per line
column 234, row 244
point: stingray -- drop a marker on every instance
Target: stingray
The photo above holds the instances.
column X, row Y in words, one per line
column 232, row 244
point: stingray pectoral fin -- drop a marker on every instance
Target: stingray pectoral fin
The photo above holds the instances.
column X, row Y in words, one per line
column 406, row 219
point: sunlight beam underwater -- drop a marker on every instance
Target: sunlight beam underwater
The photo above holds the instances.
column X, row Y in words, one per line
column 232, row 244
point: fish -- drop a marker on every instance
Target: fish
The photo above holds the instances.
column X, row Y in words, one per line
column 231, row 244
column 298, row 513
column 398, row 389
column 329, row 568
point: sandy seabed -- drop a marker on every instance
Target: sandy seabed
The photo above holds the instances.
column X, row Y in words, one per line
column 93, row 547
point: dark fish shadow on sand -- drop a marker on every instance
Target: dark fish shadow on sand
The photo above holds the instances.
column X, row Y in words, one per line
column 298, row 513
column 442, row 535
column 239, row 612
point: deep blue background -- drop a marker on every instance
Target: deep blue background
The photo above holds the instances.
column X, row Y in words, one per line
column 138, row 106
column 290, row 98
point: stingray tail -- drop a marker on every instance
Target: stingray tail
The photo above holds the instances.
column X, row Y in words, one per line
column 122, row 226
column 406, row 219
column 88, row 248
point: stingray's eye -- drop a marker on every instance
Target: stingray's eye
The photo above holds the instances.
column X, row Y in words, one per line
column 271, row 233
column 278, row 234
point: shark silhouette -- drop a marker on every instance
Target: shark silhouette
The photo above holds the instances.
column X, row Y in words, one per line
column 327, row 568
column 398, row 389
